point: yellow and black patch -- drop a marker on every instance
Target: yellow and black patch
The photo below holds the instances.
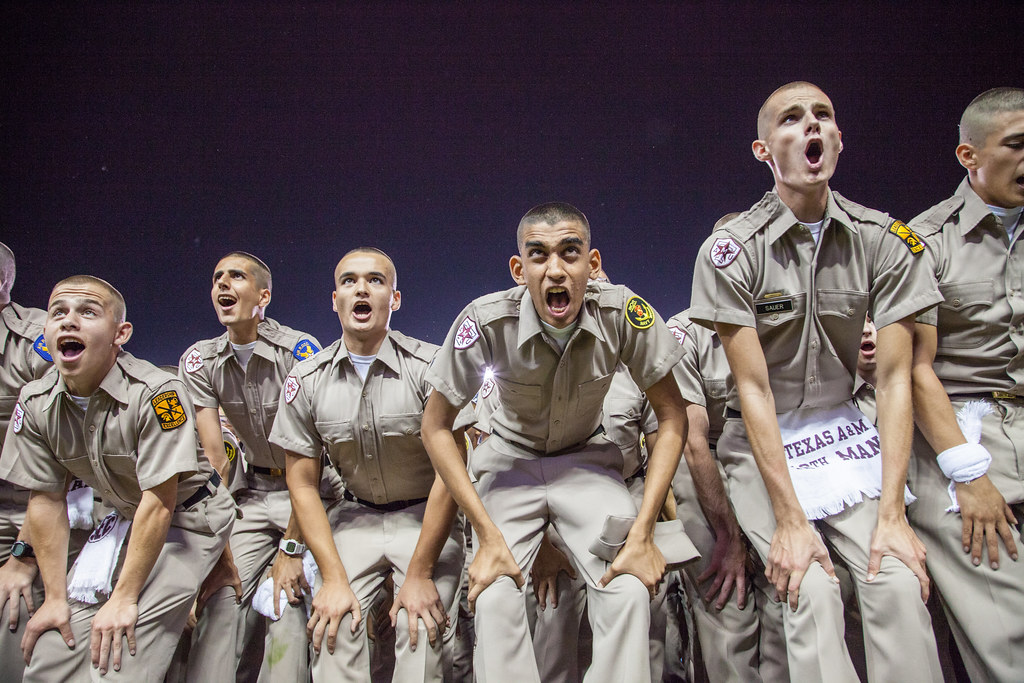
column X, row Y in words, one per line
column 639, row 313
column 169, row 410
column 903, row 231
column 230, row 450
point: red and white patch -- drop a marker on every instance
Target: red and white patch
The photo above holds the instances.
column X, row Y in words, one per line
column 193, row 361
column 487, row 388
column 724, row 251
column 18, row 418
column 466, row 334
column 678, row 332
column 291, row 388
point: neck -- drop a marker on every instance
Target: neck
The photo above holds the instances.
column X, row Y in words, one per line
column 243, row 332
column 364, row 344
column 86, row 384
column 807, row 204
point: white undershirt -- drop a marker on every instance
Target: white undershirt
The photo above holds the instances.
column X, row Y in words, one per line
column 1009, row 217
column 243, row 352
column 362, row 364
column 815, row 229
column 82, row 401
column 561, row 336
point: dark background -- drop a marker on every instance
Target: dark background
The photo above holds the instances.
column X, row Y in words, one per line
column 140, row 143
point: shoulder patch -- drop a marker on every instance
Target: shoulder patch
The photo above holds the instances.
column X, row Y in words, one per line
column 487, row 388
column 169, row 410
column 639, row 313
column 193, row 361
column 677, row 332
column 18, row 418
column 467, row 334
column 913, row 242
column 230, row 450
column 291, row 388
column 40, row 347
column 304, row 349
column 724, row 251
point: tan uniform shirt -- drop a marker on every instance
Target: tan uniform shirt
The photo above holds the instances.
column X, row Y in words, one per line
column 551, row 400
column 138, row 432
column 981, row 278
column 371, row 429
column 703, row 373
column 808, row 300
column 249, row 397
column 23, row 355
column 627, row 416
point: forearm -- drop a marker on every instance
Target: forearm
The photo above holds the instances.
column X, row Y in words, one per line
column 933, row 413
column 47, row 515
column 707, row 481
column 149, row 533
column 437, row 523
column 663, row 460
column 895, row 414
column 308, row 510
column 211, row 438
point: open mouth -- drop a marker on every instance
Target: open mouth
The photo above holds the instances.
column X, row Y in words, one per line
column 1020, row 181
column 867, row 349
column 361, row 311
column 558, row 301
column 71, row 349
column 226, row 300
column 814, row 152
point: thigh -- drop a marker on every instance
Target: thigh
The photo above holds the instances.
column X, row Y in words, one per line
column 360, row 537
column 254, row 540
column 405, row 528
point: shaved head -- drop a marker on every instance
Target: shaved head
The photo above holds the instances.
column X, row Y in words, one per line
column 116, row 300
column 7, row 273
column 976, row 123
column 391, row 274
column 260, row 271
column 553, row 213
column 767, row 111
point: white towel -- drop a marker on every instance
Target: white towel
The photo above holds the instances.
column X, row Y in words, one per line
column 94, row 568
column 834, row 458
column 80, row 505
column 967, row 461
column 262, row 601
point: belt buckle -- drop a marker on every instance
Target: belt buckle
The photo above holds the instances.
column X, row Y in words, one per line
column 1006, row 396
column 275, row 472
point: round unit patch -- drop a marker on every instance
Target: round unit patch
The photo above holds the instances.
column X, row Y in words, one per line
column 40, row 347
column 466, row 334
column 193, row 361
column 304, row 349
column 18, row 418
column 724, row 251
column 291, row 388
column 639, row 313
column 677, row 332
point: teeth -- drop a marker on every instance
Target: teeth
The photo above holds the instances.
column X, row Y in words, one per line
column 556, row 290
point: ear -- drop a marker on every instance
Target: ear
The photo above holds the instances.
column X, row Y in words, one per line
column 967, row 155
column 595, row 263
column 515, row 266
column 760, row 150
column 123, row 334
column 840, row 141
column 334, row 301
column 264, row 299
column 396, row 300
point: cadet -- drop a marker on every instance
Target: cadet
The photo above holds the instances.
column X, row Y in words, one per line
column 975, row 353
column 242, row 372
column 787, row 285
column 126, row 428
column 362, row 399
column 554, row 343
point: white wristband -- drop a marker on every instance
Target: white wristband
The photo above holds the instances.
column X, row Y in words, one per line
column 965, row 462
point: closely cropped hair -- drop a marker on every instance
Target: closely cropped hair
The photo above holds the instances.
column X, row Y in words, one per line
column 260, row 270
column 552, row 213
column 976, row 123
column 120, row 310
column 764, row 114
column 7, row 273
column 379, row 252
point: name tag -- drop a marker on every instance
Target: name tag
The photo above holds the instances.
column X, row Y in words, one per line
column 774, row 306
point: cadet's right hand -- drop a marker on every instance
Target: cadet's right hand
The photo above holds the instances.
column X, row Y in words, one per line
column 52, row 614
column 492, row 560
column 794, row 547
column 985, row 516
column 331, row 603
column 16, row 577
column 544, row 573
column 223, row 574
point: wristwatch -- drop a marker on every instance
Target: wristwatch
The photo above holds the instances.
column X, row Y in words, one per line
column 291, row 547
column 21, row 550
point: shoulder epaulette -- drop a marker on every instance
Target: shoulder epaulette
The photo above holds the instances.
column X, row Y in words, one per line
column 498, row 305
column 931, row 221
column 39, row 387
column 754, row 219
column 423, row 350
column 24, row 322
column 144, row 371
column 862, row 213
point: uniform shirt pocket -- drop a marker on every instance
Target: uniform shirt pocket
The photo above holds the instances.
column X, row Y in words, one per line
column 960, row 313
column 842, row 314
column 340, row 439
column 590, row 396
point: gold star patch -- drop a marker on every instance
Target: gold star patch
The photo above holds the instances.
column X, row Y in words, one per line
column 169, row 410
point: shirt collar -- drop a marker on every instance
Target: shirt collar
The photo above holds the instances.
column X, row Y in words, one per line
column 784, row 220
column 386, row 354
column 974, row 211
column 263, row 348
column 529, row 319
column 114, row 383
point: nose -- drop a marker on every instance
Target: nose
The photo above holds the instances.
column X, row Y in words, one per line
column 556, row 268
column 813, row 124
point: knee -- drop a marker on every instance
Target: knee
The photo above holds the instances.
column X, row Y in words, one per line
column 894, row 586
column 629, row 592
column 499, row 597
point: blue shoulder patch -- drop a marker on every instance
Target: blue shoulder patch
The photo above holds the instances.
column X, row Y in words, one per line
column 304, row 349
column 40, row 348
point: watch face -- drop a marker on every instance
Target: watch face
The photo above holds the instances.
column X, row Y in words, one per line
column 21, row 549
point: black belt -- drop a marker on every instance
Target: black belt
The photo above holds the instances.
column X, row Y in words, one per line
column 393, row 506
column 560, row 451
column 733, row 414
column 998, row 395
column 204, row 491
column 267, row 471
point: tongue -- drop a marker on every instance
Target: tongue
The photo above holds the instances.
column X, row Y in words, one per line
column 558, row 300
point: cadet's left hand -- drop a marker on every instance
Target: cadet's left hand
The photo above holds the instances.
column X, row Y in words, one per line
column 642, row 559
column 112, row 623
column 420, row 599
column 289, row 577
column 16, row 577
column 549, row 563
column 895, row 537
column 223, row 575
column 728, row 567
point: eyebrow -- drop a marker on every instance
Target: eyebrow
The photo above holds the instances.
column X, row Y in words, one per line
column 230, row 271
column 350, row 273
column 84, row 302
column 1013, row 137
column 565, row 242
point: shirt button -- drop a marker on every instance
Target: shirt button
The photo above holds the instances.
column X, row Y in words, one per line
column 252, row 410
column 558, row 422
column 956, row 302
column 92, row 428
column 366, row 427
column 409, row 431
column 364, row 394
column 850, row 311
column 369, row 456
column 811, row 380
column 775, row 316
